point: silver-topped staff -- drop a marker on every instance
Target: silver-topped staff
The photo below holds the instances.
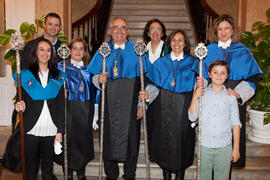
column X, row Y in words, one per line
column 16, row 43
column 104, row 51
column 140, row 49
column 201, row 52
column 63, row 51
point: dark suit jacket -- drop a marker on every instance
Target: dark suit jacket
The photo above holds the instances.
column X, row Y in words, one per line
column 28, row 50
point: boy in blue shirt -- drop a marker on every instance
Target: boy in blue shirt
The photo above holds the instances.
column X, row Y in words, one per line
column 219, row 118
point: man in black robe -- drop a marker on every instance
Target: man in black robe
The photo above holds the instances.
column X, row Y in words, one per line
column 121, row 128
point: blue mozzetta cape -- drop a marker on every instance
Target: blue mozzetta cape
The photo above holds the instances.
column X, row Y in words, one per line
column 161, row 73
column 73, row 83
column 34, row 88
column 128, row 62
column 242, row 63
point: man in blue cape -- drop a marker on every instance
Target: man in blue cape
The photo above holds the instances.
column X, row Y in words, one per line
column 121, row 128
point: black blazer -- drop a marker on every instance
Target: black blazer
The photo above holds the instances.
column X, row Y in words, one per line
column 34, row 108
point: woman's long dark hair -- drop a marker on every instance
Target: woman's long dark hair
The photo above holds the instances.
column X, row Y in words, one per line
column 34, row 62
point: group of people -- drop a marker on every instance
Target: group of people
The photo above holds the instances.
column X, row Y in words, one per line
column 230, row 74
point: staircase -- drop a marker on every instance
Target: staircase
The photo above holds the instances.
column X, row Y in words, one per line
column 257, row 165
column 173, row 13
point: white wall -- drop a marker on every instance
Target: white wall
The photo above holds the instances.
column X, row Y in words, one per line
column 7, row 92
column 19, row 11
column 16, row 12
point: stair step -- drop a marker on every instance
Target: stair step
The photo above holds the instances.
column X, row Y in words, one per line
column 168, row 25
column 256, row 168
column 254, row 149
column 155, row 7
column 135, row 38
column 150, row 1
column 164, row 19
column 139, row 32
column 119, row 12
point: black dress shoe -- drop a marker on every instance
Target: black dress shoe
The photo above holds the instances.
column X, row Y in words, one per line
column 110, row 178
column 167, row 175
column 180, row 175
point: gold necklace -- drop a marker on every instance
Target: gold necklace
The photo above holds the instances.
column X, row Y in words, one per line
column 115, row 69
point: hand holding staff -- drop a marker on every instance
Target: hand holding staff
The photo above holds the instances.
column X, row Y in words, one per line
column 140, row 49
column 200, row 52
column 104, row 51
column 63, row 52
column 17, row 43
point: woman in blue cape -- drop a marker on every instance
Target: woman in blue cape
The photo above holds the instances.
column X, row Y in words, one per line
column 81, row 94
column 244, row 70
column 43, row 109
column 169, row 93
column 155, row 36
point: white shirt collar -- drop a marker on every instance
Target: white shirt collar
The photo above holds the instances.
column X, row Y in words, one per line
column 122, row 46
column 154, row 56
column 178, row 58
column 77, row 64
column 224, row 45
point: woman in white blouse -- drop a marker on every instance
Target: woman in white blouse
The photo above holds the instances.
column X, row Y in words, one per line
column 155, row 36
column 43, row 109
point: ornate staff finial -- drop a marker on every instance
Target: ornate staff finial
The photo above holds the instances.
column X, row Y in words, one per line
column 140, row 47
column 201, row 51
column 104, row 50
column 16, row 42
column 63, row 51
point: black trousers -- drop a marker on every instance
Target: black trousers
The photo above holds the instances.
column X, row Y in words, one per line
column 39, row 150
column 112, row 168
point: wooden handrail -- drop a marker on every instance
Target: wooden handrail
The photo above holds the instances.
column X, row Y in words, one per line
column 208, row 9
column 91, row 13
column 202, row 16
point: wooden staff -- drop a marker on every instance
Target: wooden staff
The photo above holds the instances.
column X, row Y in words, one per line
column 104, row 51
column 140, row 49
column 17, row 43
column 200, row 52
column 63, row 52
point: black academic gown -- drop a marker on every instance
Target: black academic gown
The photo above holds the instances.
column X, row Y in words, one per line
column 173, row 139
column 121, row 128
column 80, row 112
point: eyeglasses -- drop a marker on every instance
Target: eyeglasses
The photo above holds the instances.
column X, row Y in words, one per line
column 158, row 29
column 122, row 28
